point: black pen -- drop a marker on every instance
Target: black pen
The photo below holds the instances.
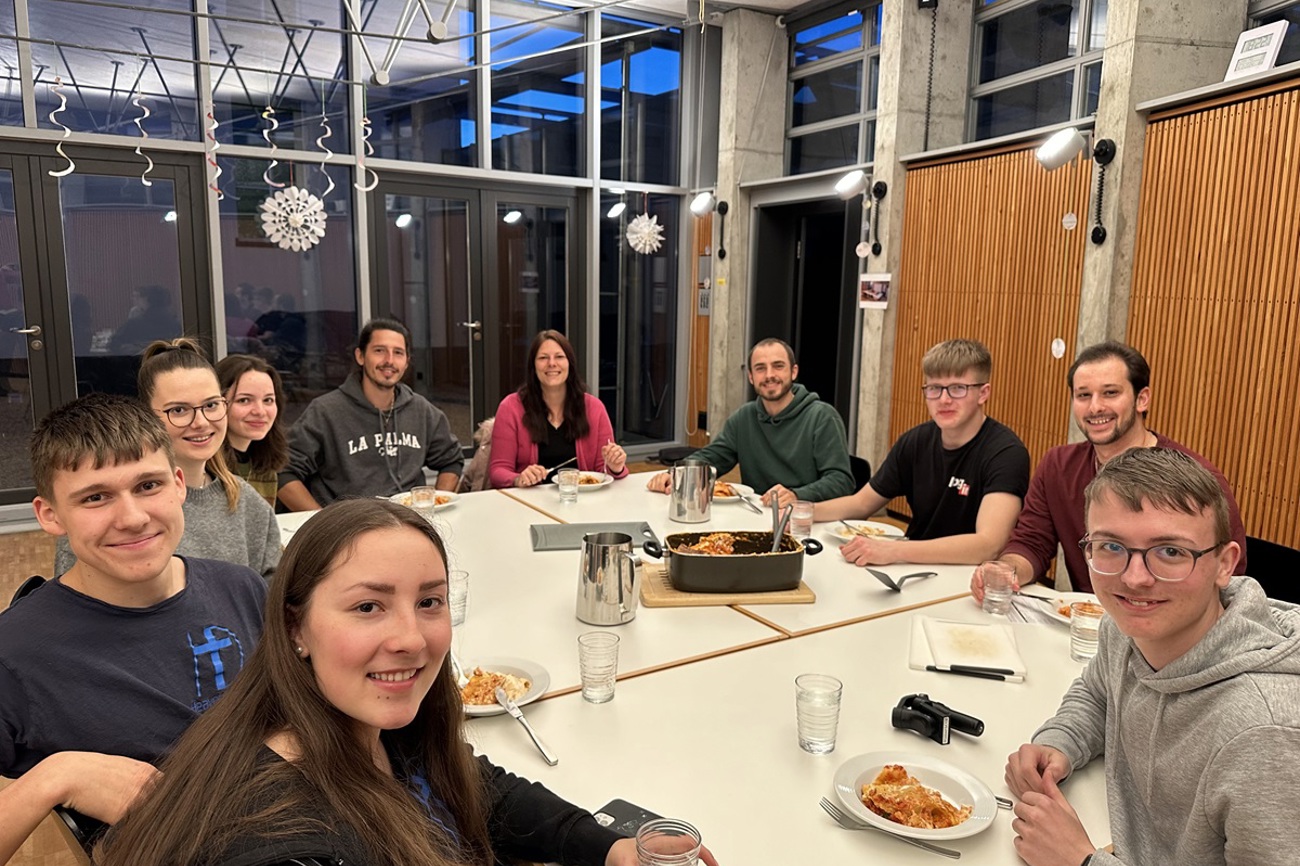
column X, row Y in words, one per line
column 967, row 672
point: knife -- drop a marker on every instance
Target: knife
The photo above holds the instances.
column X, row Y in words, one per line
column 504, row 700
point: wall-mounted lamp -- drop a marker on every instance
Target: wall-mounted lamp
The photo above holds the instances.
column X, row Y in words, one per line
column 403, row 220
column 851, row 184
column 1064, row 146
column 703, row 204
column 616, row 210
column 169, row 217
column 512, row 217
column 856, row 182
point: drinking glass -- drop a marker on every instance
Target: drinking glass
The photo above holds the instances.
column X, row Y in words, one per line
column 423, row 499
column 458, row 595
column 817, row 710
column 567, row 480
column 1085, row 620
column 998, row 579
column 598, row 665
column 667, row 842
column 801, row 520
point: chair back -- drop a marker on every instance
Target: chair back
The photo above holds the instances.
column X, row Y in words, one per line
column 1276, row 567
column 861, row 469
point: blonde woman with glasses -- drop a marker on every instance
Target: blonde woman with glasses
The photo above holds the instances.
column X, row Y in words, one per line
column 225, row 519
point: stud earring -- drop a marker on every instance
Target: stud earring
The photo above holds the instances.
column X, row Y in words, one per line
column 299, row 650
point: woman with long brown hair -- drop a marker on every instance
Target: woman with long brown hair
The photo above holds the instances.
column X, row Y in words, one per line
column 342, row 738
column 551, row 420
column 256, row 448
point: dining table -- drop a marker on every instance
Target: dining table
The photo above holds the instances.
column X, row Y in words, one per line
column 702, row 724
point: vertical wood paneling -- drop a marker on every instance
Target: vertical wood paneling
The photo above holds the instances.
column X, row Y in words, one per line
column 697, row 398
column 985, row 257
column 1214, row 303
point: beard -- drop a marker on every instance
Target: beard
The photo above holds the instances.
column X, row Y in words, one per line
column 1124, row 422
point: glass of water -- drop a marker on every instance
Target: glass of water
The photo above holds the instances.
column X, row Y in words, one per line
column 1085, row 620
column 817, row 709
column 458, row 595
column 567, row 480
column 998, row 579
column 423, row 500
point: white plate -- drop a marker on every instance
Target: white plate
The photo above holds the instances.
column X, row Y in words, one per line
column 1054, row 602
column 840, row 532
column 956, row 785
column 605, row 480
column 405, row 499
column 741, row 490
column 533, row 672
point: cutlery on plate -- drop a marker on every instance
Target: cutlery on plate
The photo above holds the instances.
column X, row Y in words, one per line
column 504, row 700
column 559, row 466
column 850, row 823
column 750, row 505
column 857, row 530
column 898, row 586
column 461, row 679
column 1003, row 802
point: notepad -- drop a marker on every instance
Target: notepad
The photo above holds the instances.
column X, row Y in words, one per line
column 944, row 643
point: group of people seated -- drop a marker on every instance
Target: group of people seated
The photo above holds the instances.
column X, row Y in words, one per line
column 338, row 732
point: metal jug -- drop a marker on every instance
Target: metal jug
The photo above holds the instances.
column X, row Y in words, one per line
column 691, row 493
column 609, row 579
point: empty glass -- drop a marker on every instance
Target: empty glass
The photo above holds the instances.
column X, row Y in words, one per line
column 458, row 595
column 598, row 665
column 667, row 842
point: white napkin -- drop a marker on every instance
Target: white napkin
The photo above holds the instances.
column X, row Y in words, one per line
column 945, row 643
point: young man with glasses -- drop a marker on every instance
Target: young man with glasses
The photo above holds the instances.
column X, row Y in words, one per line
column 1194, row 695
column 1110, row 392
column 963, row 473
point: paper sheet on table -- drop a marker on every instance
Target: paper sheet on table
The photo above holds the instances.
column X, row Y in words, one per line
column 944, row 643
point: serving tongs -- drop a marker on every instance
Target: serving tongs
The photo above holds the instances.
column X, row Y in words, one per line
column 780, row 517
column 504, row 700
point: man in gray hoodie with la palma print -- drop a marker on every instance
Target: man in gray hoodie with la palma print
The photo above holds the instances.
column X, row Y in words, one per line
column 372, row 436
column 1193, row 697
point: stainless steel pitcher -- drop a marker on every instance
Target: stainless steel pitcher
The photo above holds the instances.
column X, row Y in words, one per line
column 609, row 579
column 691, row 493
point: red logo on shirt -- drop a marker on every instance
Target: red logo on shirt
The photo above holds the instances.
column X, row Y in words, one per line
column 963, row 489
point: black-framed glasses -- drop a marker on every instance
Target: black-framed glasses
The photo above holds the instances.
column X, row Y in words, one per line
column 1167, row 562
column 183, row 416
column 956, row 391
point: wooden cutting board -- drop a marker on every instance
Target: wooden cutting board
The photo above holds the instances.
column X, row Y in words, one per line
column 656, row 591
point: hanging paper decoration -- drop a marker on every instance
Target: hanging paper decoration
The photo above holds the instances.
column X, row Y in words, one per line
column 139, row 103
column 645, row 235
column 329, row 154
column 213, row 147
column 268, row 114
column 57, row 89
column 369, row 150
column 294, row 219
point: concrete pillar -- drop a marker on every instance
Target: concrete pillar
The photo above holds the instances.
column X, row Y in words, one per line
column 751, row 145
column 901, row 130
column 1154, row 48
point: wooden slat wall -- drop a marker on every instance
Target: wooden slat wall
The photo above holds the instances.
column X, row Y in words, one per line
column 985, row 256
column 1214, row 304
column 698, row 375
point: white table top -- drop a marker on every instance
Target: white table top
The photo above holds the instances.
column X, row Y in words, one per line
column 845, row 592
column 714, row 742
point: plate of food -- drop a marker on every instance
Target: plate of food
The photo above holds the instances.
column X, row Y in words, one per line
column 443, row 499
column 865, row 528
column 1058, row 606
column 914, row 795
column 524, row 681
column 730, row 491
column 593, row 480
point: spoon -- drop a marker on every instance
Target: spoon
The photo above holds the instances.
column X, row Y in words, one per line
column 898, row 587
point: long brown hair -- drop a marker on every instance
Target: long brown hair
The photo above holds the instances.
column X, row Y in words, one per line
column 270, row 453
column 184, row 353
column 200, row 804
column 536, row 415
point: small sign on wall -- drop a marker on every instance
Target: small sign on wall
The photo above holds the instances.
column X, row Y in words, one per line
column 1257, row 50
column 873, row 291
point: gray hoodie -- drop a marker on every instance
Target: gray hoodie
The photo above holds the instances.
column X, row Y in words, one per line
column 343, row 446
column 1202, row 756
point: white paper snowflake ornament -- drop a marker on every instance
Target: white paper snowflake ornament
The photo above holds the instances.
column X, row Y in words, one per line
column 294, row 219
column 645, row 235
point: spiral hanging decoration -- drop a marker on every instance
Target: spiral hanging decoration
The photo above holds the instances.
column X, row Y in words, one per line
column 361, row 158
column 57, row 89
column 268, row 114
column 213, row 147
column 139, row 103
column 329, row 154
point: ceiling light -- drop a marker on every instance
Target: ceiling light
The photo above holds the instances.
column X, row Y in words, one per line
column 513, row 217
column 616, row 210
column 703, row 204
column 403, row 220
column 851, row 184
column 1062, row 147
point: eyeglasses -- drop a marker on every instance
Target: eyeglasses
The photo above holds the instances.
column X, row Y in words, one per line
column 955, row 391
column 1167, row 562
column 183, row 416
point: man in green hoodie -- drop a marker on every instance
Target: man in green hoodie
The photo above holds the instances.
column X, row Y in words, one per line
column 1193, row 698
column 789, row 444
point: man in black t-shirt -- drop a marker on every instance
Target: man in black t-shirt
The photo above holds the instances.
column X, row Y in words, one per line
column 964, row 475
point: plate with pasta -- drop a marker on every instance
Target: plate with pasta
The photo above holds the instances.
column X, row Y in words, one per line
column 862, row 528
column 524, row 681
column 914, row 795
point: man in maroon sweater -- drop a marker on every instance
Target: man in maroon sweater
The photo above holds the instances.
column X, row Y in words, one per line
column 1110, row 390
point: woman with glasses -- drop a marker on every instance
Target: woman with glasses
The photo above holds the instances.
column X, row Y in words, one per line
column 225, row 519
column 256, row 447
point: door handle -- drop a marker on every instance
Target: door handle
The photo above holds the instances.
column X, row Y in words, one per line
column 473, row 326
column 32, row 331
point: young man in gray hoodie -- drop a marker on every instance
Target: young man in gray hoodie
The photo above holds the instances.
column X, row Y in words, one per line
column 372, row 436
column 1193, row 698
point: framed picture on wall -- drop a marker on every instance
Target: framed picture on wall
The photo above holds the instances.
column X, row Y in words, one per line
column 1256, row 51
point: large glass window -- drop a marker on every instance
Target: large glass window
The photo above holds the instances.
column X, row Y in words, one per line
column 11, row 98
column 151, row 57
column 638, row 316
column 1031, row 58
column 640, row 101
column 834, row 79
column 291, row 61
column 1271, row 12
column 538, row 89
column 428, row 111
column 296, row 309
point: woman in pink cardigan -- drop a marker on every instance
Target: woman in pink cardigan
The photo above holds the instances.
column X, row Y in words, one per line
column 550, row 420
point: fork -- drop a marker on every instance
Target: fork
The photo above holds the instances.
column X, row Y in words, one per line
column 848, row 823
column 898, row 586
